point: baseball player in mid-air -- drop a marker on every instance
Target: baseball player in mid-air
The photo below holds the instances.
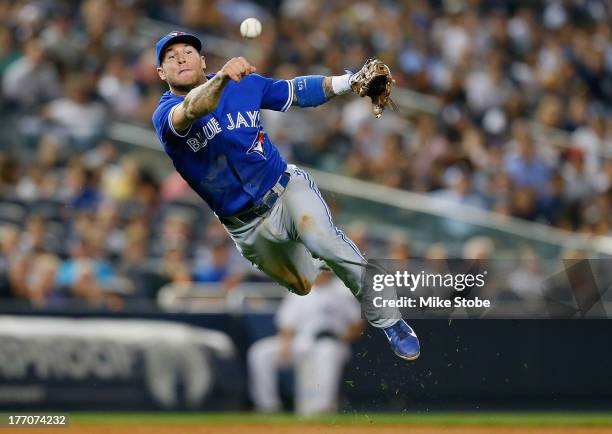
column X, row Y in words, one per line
column 210, row 126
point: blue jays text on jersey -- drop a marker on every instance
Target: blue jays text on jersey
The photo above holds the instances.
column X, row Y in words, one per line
column 226, row 156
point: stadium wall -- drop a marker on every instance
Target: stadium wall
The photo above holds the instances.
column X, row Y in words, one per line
column 465, row 365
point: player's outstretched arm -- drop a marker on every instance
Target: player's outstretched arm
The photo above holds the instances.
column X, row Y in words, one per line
column 314, row 90
column 204, row 98
column 374, row 79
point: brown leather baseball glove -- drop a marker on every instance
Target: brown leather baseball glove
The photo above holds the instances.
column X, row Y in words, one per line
column 374, row 79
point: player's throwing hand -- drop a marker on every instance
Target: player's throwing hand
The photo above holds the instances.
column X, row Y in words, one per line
column 236, row 68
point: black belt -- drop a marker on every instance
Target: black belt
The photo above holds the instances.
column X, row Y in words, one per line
column 262, row 208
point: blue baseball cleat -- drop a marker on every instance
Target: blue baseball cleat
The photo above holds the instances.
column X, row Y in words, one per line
column 404, row 341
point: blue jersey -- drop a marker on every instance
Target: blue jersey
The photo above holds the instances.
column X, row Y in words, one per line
column 226, row 156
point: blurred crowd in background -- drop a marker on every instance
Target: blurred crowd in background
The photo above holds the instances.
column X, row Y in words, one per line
column 523, row 126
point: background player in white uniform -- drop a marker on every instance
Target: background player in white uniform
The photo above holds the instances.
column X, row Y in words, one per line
column 209, row 125
column 313, row 337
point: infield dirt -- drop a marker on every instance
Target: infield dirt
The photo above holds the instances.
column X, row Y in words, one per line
column 307, row 429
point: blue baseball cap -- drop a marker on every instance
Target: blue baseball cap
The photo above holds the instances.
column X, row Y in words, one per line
column 173, row 37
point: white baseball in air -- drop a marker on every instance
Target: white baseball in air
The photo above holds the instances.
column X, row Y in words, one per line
column 250, row 28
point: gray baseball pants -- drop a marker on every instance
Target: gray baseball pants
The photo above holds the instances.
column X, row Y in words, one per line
column 289, row 243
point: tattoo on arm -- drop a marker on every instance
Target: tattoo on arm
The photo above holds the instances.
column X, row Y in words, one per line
column 327, row 87
column 204, row 99
column 199, row 102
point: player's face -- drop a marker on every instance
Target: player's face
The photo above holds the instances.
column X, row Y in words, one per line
column 182, row 66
